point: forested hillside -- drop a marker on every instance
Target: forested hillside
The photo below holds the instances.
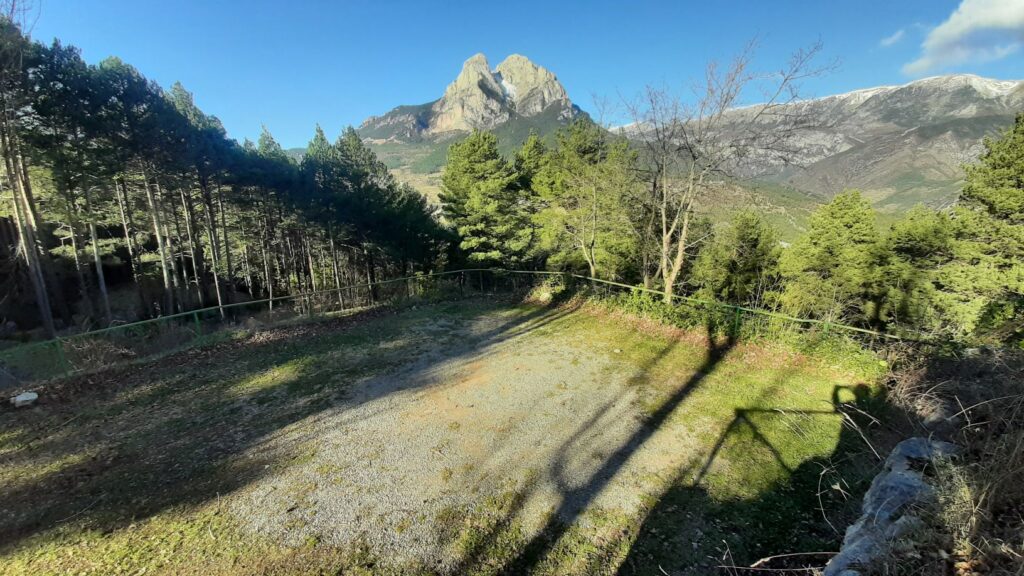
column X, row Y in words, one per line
column 125, row 200
column 128, row 201
column 726, row 338
column 642, row 214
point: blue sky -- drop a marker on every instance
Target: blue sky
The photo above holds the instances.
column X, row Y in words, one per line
column 292, row 64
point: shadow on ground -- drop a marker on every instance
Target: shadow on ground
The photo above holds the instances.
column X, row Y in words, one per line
column 685, row 529
column 108, row 450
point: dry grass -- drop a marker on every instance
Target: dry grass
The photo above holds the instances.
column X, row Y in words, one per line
column 976, row 524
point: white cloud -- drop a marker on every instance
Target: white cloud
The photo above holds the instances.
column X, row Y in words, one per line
column 890, row 40
column 977, row 31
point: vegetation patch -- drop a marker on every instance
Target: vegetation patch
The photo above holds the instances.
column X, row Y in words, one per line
column 649, row 446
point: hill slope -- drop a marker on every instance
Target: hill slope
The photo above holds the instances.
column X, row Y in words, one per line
column 901, row 145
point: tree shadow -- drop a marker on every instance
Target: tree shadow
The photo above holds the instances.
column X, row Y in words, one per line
column 575, row 499
column 797, row 520
column 803, row 510
column 108, row 449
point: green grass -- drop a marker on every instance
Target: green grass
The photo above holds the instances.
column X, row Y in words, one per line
column 131, row 471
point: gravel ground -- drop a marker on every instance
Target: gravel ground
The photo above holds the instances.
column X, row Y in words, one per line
column 483, row 405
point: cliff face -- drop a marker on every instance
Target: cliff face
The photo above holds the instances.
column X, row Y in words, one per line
column 475, row 99
column 899, row 145
column 478, row 98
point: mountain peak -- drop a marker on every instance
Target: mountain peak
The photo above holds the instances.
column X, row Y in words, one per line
column 529, row 87
column 480, row 98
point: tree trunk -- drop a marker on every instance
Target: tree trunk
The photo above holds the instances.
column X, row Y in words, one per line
column 227, row 242
column 371, row 274
column 312, row 268
column 120, row 187
column 154, row 211
column 267, row 276
column 337, row 277
column 184, row 266
column 186, row 208
column 179, row 291
column 23, row 218
column 211, row 232
column 100, row 278
column 28, row 244
column 83, row 287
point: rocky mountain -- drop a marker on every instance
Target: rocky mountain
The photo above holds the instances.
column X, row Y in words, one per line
column 900, row 145
column 517, row 91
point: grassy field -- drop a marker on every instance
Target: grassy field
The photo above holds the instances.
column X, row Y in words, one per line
column 479, row 437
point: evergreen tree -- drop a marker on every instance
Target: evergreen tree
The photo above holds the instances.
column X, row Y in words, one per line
column 982, row 287
column 828, row 270
column 904, row 265
column 740, row 266
column 480, row 197
column 530, row 160
column 582, row 187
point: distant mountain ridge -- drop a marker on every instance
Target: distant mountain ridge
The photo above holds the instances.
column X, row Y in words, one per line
column 902, row 144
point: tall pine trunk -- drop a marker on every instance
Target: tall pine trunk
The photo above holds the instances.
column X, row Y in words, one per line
column 100, row 278
column 26, row 231
column 161, row 244
column 211, row 232
column 121, row 191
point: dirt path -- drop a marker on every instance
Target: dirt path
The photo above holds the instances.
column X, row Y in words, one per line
column 536, row 412
column 470, row 437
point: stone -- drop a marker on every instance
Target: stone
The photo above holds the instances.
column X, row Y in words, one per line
column 919, row 449
column 24, row 399
column 885, row 516
column 474, row 100
column 529, row 88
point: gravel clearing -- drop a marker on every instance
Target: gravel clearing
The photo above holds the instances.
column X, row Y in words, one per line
column 484, row 405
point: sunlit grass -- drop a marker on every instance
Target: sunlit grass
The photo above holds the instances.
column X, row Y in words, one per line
column 758, row 415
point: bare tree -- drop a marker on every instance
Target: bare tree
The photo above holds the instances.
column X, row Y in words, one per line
column 690, row 146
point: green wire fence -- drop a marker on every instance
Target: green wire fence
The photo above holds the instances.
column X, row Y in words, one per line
column 96, row 349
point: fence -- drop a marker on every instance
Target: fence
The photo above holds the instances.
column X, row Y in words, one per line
column 148, row 338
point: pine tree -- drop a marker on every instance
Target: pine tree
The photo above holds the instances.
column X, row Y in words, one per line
column 480, row 197
column 581, row 187
column 828, row 270
column 983, row 284
column 740, row 266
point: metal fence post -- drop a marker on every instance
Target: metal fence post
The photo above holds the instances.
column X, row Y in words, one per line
column 199, row 326
column 736, row 319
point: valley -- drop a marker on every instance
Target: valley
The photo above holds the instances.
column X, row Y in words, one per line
column 899, row 145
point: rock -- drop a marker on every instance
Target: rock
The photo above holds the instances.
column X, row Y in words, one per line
column 478, row 99
column 884, row 515
column 474, row 100
column 530, row 88
column 8, row 329
column 24, row 399
column 919, row 449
